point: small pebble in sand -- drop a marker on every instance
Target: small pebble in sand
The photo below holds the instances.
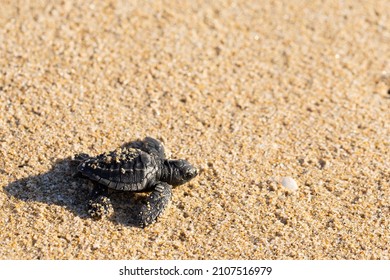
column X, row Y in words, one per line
column 289, row 183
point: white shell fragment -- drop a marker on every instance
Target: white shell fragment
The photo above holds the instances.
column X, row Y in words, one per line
column 289, row 183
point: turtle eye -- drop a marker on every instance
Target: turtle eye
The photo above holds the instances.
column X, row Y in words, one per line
column 191, row 173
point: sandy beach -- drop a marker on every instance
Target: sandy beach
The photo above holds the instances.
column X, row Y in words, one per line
column 250, row 92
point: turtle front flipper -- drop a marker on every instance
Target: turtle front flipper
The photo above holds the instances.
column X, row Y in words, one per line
column 149, row 145
column 99, row 205
column 154, row 204
column 153, row 146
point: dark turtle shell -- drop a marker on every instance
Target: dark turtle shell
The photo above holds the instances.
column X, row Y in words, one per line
column 127, row 169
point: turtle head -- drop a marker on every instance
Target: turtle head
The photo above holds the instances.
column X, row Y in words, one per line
column 179, row 172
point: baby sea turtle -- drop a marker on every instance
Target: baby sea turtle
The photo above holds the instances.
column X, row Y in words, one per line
column 140, row 166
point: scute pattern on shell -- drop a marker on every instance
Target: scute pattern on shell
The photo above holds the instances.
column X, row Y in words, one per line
column 119, row 155
column 122, row 169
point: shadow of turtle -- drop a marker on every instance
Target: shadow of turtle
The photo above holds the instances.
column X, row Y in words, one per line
column 60, row 187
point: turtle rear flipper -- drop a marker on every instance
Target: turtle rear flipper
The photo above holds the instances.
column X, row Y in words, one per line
column 154, row 204
column 80, row 157
column 75, row 161
column 99, row 205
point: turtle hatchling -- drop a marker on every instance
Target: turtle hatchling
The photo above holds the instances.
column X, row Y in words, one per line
column 139, row 166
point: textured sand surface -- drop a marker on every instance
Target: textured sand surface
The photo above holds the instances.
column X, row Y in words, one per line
column 248, row 91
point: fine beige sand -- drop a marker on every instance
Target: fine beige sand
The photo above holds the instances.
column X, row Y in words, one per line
column 248, row 91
